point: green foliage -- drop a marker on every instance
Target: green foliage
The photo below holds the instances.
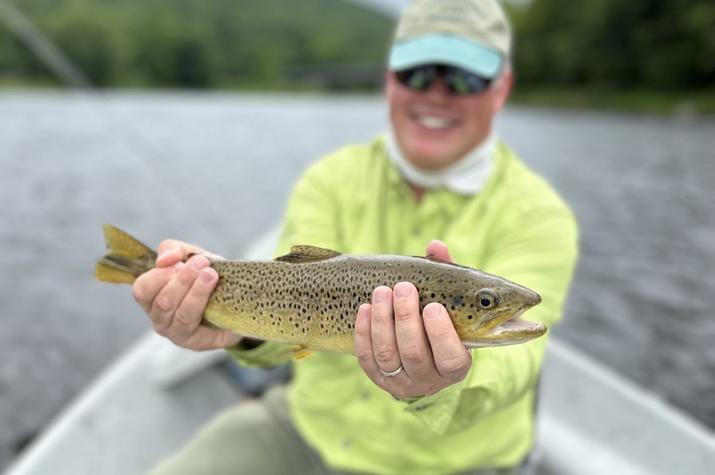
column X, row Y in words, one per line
column 616, row 44
column 90, row 45
column 200, row 43
column 605, row 45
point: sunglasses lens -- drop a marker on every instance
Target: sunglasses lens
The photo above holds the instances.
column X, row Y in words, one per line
column 460, row 81
column 419, row 78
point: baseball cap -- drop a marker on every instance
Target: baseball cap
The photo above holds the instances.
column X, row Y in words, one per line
column 470, row 34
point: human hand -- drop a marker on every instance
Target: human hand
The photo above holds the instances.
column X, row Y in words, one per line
column 391, row 334
column 174, row 295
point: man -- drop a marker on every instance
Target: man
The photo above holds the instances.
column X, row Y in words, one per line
column 414, row 400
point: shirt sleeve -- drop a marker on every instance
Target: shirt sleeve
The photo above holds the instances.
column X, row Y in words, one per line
column 539, row 253
column 265, row 355
column 310, row 218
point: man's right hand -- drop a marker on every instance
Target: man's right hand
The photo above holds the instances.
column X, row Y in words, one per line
column 175, row 293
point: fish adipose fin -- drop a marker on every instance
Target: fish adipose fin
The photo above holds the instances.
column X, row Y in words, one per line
column 126, row 258
column 302, row 254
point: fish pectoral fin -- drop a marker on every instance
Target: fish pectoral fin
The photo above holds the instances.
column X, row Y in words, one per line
column 301, row 352
column 302, row 254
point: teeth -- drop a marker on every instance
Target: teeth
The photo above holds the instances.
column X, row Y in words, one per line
column 434, row 122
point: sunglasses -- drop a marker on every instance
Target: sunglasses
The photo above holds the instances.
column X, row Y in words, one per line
column 459, row 81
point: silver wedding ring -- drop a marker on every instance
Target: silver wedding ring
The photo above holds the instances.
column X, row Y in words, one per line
column 390, row 374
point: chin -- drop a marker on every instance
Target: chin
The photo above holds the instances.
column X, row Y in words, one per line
column 428, row 164
column 429, row 158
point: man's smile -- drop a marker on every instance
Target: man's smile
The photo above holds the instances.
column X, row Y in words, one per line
column 433, row 122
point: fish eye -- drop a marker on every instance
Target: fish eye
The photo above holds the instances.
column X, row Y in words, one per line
column 487, row 298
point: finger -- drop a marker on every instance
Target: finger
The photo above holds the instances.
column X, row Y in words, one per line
column 185, row 247
column 451, row 358
column 412, row 342
column 436, row 249
column 363, row 342
column 169, row 257
column 169, row 298
column 148, row 285
column 172, row 251
column 189, row 313
column 205, row 338
column 382, row 330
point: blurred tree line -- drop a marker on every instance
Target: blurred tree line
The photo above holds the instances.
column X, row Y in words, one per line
column 617, row 44
column 200, row 43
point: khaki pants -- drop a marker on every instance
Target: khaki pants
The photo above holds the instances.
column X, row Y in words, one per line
column 256, row 438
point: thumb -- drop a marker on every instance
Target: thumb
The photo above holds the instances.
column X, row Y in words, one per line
column 437, row 250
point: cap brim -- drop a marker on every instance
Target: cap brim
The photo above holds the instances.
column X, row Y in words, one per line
column 446, row 49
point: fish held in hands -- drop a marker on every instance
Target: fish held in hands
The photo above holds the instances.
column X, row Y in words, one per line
column 310, row 296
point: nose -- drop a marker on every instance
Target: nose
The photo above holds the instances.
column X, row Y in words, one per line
column 438, row 89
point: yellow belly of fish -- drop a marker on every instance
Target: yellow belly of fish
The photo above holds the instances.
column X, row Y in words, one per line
column 319, row 333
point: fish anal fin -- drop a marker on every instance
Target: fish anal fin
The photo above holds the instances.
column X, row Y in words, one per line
column 302, row 254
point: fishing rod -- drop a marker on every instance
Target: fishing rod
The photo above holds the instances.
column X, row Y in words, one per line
column 43, row 49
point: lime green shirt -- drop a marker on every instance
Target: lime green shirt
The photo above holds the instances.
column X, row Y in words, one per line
column 355, row 201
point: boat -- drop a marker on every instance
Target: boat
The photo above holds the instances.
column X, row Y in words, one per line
column 156, row 396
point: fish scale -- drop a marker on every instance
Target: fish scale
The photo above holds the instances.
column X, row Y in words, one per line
column 310, row 297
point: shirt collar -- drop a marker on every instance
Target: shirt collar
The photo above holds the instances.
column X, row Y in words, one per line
column 465, row 177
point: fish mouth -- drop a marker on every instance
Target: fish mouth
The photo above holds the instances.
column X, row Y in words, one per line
column 509, row 332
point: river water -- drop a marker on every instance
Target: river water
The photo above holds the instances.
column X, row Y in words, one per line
column 216, row 169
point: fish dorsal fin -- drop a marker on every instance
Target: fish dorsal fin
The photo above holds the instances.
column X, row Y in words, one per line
column 439, row 261
column 432, row 258
column 302, row 254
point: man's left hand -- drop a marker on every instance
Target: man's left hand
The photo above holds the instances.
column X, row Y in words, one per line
column 390, row 333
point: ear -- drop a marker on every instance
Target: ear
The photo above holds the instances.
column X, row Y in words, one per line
column 502, row 88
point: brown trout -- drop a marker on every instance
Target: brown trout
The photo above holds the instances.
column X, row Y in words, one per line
column 310, row 296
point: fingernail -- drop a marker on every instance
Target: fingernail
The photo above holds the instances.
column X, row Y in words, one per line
column 165, row 253
column 403, row 289
column 363, row 310
column 199, row 262
column 432, row 310
column 379, row 295
column 207, row 276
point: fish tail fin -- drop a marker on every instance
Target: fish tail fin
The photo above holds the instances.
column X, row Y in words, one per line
column 126, row 257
